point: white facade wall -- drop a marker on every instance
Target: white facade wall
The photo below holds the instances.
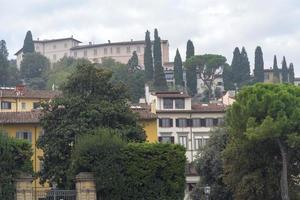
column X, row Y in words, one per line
column 218, row 82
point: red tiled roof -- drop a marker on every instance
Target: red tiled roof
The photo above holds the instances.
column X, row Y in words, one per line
column 171, row 95
column 143, row 111
column 27, row 93
column 211, row 107
column 20, row 117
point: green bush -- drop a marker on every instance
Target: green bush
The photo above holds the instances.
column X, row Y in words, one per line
column 15, row 157
column 131, row 171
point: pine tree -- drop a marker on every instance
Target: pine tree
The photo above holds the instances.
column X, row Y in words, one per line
column 191, row 72
column 148, row 59
column 178, row 73
column 133, row 62
column 259, row 65
column 160, row 82
column 4, row 63
column 276, row 71
column 28, row 46
column 245, row 68
column 285, row 71
column 291, row 73
column 236, row 67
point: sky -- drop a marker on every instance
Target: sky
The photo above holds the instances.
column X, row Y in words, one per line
column 214, row 26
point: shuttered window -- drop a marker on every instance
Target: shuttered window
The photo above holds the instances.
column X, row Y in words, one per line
column 25, row 135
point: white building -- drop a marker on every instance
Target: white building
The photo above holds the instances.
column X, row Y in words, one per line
column 55, row 49
column 217, row 83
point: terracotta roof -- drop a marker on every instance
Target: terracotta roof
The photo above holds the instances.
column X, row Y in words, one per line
column 143, row 113
column 20, row 117
column 171, row 95
column 112, row 43
column 27, row 93
column 211, row 107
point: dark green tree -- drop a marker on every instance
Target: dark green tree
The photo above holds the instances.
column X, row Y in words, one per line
column 236, row 67
column 228, row 77
column 133, row 62
column 160, row 82
column 291, row 73
column 209, row 165
column 13, row 73
column 34, row 68
column 28, row 46
column 178, row 72
column 148, row 59
column 4, row 64
column 258, row 65
column 89, row 100
column 276, row 71
column 191, row 73
column 285, row 71
column 261, row 156
column 245, row 68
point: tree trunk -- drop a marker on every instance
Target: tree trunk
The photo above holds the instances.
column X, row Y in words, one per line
column 284, row 172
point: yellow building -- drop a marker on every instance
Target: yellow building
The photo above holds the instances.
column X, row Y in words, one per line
column 148, row 120
column 24, row 125
column 21, row 99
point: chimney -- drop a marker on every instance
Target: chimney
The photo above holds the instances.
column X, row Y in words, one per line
column 109, row 41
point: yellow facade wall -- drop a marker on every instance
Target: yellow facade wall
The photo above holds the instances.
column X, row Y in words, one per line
column 17, row 104
column 36, row 130
column 150, row 128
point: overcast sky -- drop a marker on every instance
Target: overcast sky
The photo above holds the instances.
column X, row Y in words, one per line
column 215, row 26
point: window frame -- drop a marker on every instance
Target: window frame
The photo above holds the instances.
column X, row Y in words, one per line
column 165, row 105
column 176, row 103
column 8, row 103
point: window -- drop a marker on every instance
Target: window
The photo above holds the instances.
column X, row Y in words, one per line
column 215, row 122
column 105, row 50
column 23, row 105
column 118, row 50
column 179, row 103
column 266, row 76
column 166, row 139
column 196, row 122
column 183, row 140
column 36, row 105
column 54, row 46
column 219, row 83
column 4, row 133
column 209, row 122
column 138, row 49
column 75, row 54
column 165, row 122
column 182, row 122
column 169, row 76
column 128, row 49
column 24, row 135
column 85, row 53
column 5, row 105
column 200, row 141
column 54, row 56
column 168, row 103
column 95, row 52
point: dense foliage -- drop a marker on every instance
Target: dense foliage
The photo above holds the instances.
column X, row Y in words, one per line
column 276, row 71
column 291, row 73
column 285, row 71
column 262, row 157
column 148, row 58
column 258, row 65
column 88, row 101
column 178, row 71
column 131, row 171
column 191, row 73
column 15, row 158
column 28, row 46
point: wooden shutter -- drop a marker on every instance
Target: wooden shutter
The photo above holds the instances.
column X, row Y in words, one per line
column 177, row 122
column 160, row 122
column 172, row 139
column 171, row 122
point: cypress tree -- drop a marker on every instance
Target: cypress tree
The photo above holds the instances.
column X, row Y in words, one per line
column 259, row 65
column 227, row 76
column 160, row 82
column 285, row 71
column 245, row 68
column 178, row 73
column 236, row 67
column 28, row 46
column 133, row 62
column 276, row 72
column 4, row 63
column 191, row 72
column 148, row 59
column 291, row 73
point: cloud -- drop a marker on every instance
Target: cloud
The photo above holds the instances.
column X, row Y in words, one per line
column 215, row 26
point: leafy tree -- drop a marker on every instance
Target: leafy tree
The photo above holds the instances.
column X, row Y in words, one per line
column 210, row 168
column 13, row 74
column 245, row 68
column 285, row 71
column 208, row 67
column 28, row 46
column 276, row 71
column 133, row 62
column 228, row 77
column 88, row 101
column 160, row 82
column 258, row 65
column 121, row 172
column 291, row 73
column 15, row 158
column 148, row 59
column 178, row 72
column 191, row 73
column 34, row 68
column 4, row 64
column 264, row 143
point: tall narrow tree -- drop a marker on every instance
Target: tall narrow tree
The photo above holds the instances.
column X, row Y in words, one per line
column 178, row 72
column 276, row 71
column 160, row 82
column 291, row 73
column 285, row 71
column 259, row 65
column 148, row 59
column 28, row 46
column 245, row 68
column 133, row 62
column 236, row 67
column 191, row 72
column 4, row 63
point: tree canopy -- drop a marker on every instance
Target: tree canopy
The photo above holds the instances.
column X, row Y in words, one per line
column 285, row 71
column 178, row 71
column 276, row 71
column 291, row 73
column 28, row 46
column 258, row 65
column 4, row 64
column 191, row 73
column 148, row 58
